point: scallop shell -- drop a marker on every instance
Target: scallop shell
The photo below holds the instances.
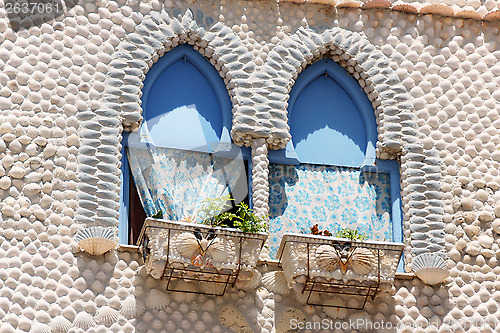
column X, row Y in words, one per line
column 157, row 299
column 468, row 14
column 184, row 292
column 439, row 9
column 376, row 4
column 349, row 4
column 275, row 282
column 106, row 316
column 40, row 328
column 84, row 320
column 96, row 240
column 219, row 250
column 405, row 8
column 315, row 298
column 334, row 309
column 432, row 276
column 60, row 325
column 251, row 284
column 327, row 257
column 129, row 307
column 187, row 244
column 492, row 16
column 362, row 261
column 428, row 260
column 430, row 268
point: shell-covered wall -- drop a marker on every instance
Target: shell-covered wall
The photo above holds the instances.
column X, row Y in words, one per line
column 69, row 86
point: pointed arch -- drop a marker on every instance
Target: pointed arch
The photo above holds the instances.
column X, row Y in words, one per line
column 185, row 101
column 341, row 128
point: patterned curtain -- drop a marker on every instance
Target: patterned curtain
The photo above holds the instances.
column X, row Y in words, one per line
column 177, row 181
column 332, row 197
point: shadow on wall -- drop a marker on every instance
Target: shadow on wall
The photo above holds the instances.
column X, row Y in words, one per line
column 24, row 14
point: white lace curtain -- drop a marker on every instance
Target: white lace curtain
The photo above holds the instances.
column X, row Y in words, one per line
column 177, row 181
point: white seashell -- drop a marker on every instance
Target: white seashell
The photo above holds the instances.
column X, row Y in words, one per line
column 84, row 320
column 187, row 244
column 186, row 291
column 430, row 268
column 251, row 284
column 327, row 257
column 267, row 313
column 427, row 260
column 290, row 314
column 129, row 307
column 106, row 316
column 334, row 309
column 315, row 298
column 219, row 250
column 40, row 328
column 157, row 299
column 60, row 325
column 362, row 261
column 96, row 240
column 275, row 282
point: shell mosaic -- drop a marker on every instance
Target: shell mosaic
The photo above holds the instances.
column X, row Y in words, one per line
column 69, row 87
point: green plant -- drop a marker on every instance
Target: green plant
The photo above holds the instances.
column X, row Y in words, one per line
column 351, row 234
column 247, row 221
column 158, row 215
column 348, row 233
column 211, row 211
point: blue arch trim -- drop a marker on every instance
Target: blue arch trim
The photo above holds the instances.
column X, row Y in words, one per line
column 187, row 53
column 350, row 87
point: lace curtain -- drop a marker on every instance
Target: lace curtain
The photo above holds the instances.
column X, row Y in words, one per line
column 177, row 181
column 332, row 197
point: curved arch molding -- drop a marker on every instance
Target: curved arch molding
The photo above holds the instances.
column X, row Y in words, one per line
column 260, row 99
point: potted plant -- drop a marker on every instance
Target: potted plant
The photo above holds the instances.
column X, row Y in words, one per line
column 322, row 263
column 214, row 246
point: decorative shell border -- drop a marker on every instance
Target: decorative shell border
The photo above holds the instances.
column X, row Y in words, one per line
column 419, row 9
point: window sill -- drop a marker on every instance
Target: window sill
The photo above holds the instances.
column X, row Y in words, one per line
column 270, row 262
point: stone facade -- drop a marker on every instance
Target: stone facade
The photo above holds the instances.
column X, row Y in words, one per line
column 69, row 87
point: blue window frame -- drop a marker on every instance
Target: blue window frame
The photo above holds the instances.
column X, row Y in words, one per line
column 185, row 106
column 332, row 124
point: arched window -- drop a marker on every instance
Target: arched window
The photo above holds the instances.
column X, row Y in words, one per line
column 328, row 174
column 182, row 153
